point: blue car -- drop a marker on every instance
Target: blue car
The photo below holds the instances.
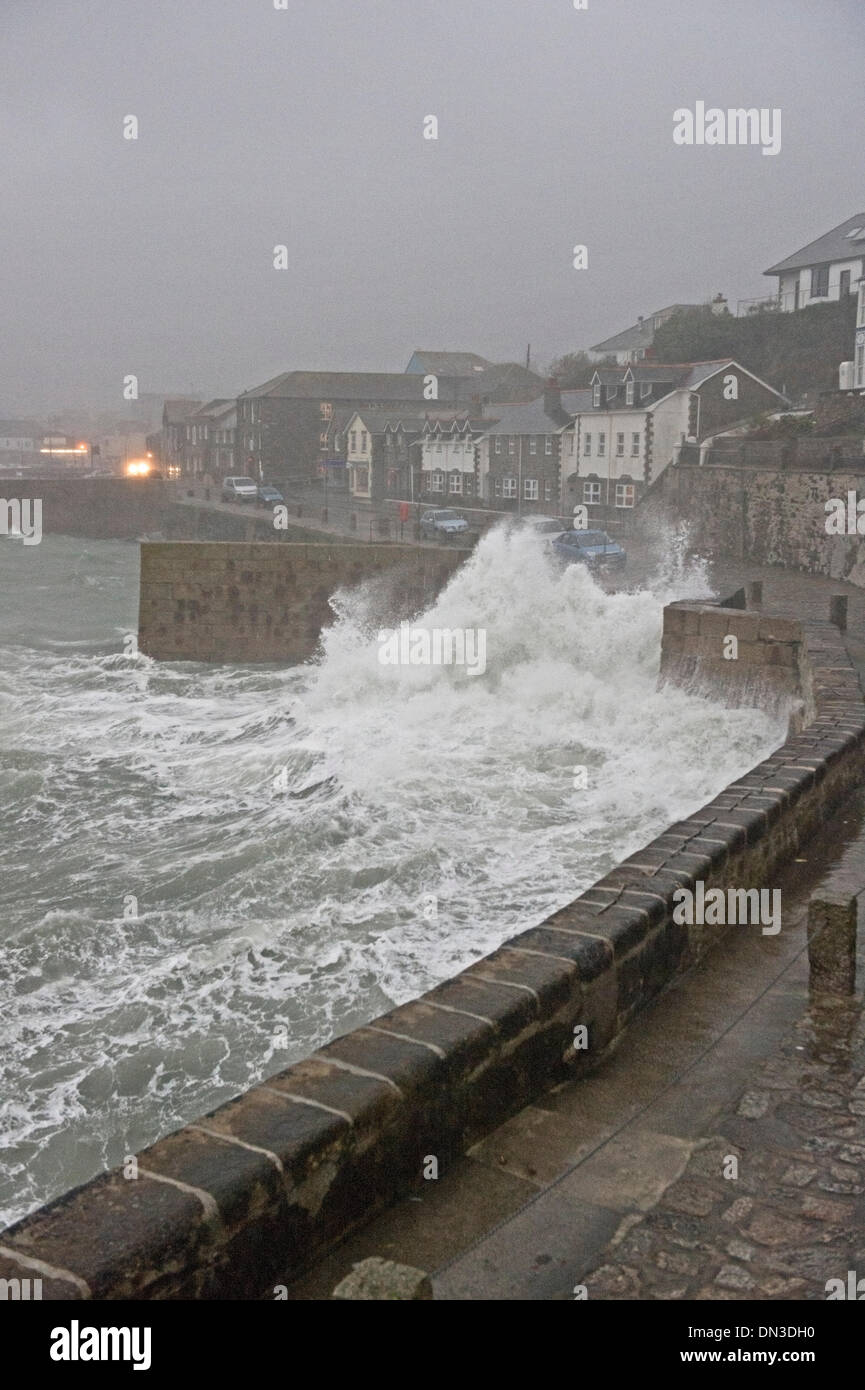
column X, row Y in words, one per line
column 268, row 495
column 592, row 548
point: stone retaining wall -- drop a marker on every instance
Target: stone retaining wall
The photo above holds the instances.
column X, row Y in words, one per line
column 250, row 1194
column 766, row 516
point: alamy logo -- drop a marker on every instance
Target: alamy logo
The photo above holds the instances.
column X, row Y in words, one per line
column 20, row 1290
column 437, row 646
column 853, row 1289
column 737, row 907
column 21, row 521
column 76, row 1343
column 845, row 518
column 736, row 126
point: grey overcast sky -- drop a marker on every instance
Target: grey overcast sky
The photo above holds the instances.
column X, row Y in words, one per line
column 304, row 127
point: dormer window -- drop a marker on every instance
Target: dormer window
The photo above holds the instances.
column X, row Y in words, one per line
column 596, row 396
column 629, row 393
column 645, row 390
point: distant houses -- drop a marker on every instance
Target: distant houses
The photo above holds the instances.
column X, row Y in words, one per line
column 635, row 343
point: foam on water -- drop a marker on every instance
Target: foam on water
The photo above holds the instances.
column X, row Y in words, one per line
column 272, row 917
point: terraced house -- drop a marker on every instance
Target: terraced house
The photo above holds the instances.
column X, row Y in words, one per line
column 520, row 455
column 449, row 462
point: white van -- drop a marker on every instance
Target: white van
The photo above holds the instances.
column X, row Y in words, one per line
column 239, row 490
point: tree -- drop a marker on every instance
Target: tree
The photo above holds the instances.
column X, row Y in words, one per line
column 576, row 369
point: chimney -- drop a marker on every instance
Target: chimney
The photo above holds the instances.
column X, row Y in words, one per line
column 552, row 397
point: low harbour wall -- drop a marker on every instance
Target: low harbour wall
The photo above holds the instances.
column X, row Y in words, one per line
column 252, row 1193
column 259, row 602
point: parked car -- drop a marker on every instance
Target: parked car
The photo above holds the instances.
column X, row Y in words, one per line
column 239, row 490
column 268, row 496
column 593, row 548
column 443, row 524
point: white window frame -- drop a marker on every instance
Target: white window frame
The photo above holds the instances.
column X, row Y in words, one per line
column 587, row 445
column 509, row 487
column 548, row 444
column 620, row 444
column 592, row 492
column 629, row 393
column 602, row 444
column 635, row 444
column 596, row 396
column 455, row 484
column 624, row 494
column 530, row 490
column 533, row 445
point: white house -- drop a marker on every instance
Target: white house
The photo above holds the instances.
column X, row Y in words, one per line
column 448, row 462
column 628, row 425
column 825, row 269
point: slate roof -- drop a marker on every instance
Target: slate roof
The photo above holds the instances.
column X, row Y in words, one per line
column 530, row 417
column 377, row 421
column 639, row 335
column 346, row 386
column 174, row 412
column 833, row 246
column 451, row 363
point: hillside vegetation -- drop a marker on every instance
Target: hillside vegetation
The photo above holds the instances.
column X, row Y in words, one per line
column 796, row 353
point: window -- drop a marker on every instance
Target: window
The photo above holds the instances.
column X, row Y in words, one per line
column 326, row 410
column 438, row 482
column 645, row 389
column 456, row 483
column 512, row 443
column 438, row 448
column 533, row 445
column 530, row 489
column 587, row 446
column 844, row 283
column 592, row 492
column 573, row 443
column 498, row 487
column 548, row 491
column 635, row 446
column 620, row 446
column 337, row 443
column 498, row 444
column 629, row 393
column 602, row 445
column 468, row 485
column 363, row 441
column 509, row 487
column 548, row 444
column 354, row 441
column 322, row 440
column 596, row 396
column 624, row 494
column 819, row 281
